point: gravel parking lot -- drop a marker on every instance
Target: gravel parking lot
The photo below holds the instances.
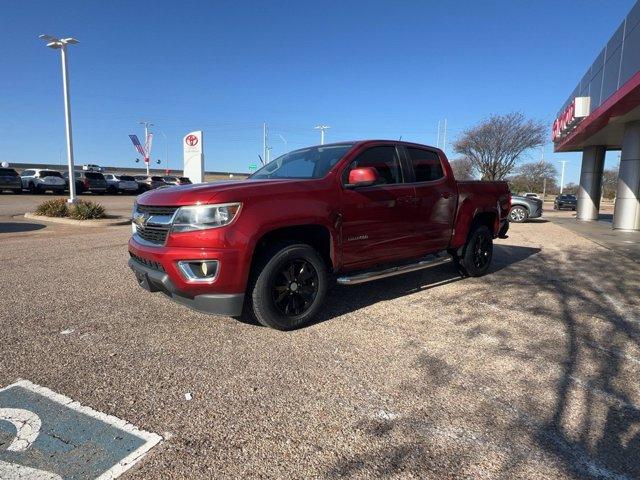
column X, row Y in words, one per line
column 529, row 372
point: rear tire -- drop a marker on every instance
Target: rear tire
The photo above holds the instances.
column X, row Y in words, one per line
column 477, row 253
column 18, row 191
column 518, row 214
column 288, row 287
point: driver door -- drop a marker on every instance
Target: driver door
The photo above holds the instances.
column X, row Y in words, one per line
column 377, row 221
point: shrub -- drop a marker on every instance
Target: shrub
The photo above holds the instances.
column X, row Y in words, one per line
column 82, row 210
column 53, row 208
column 86, row 210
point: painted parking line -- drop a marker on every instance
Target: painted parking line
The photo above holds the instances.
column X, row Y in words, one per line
column 45, row 435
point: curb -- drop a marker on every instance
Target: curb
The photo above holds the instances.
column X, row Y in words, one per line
column 103, row 222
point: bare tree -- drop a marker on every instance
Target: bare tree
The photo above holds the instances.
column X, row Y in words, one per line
column 463, row 169
column 570, row 188
column 530, row 177
column 496, row 144
column 609, row 182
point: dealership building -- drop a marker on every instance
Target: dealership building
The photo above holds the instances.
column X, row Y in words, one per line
column 603, row 113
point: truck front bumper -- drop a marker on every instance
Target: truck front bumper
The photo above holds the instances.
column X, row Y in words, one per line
column 158, row 281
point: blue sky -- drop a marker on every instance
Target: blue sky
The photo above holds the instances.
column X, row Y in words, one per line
column 374, row 69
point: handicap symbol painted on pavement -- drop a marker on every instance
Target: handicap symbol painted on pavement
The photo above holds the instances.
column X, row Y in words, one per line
column 45, row 435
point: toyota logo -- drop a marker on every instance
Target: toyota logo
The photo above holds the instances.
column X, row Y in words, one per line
column 141, row 219
column 191, row 140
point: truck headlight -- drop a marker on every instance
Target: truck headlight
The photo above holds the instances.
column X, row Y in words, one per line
column 201, row 217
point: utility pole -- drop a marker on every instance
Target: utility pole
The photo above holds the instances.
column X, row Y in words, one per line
column 563, row 162
column 544, row 188
column 322, row 128
column 147, row 158
column 265, row 139
column 286, row 144
column 61, row 44
column 166, row 149
column 438, row 139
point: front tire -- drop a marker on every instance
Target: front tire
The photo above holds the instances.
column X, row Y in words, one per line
column 518, row 214
column 289, row 286
column 477, row 253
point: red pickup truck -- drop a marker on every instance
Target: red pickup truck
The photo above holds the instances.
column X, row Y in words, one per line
column 269, row 247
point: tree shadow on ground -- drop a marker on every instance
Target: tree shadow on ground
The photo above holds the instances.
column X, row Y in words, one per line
column 582, row 329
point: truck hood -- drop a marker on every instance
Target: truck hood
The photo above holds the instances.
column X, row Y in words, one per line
column 223, row 191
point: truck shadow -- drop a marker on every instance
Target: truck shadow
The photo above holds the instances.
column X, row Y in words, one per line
column 346, row 299
column 17, row 227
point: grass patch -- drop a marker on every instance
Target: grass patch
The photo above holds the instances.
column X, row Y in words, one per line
column 82, row 210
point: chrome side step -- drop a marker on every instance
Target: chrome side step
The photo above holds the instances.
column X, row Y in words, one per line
column 427, row 262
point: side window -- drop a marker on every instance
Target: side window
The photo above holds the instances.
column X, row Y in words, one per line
column 27, row 173
column 386, row 162
column 426, row 164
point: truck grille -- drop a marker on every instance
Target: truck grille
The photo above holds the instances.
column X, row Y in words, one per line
column 153, row 233
column 158, row 224
column 146, row 262
column 153, row 210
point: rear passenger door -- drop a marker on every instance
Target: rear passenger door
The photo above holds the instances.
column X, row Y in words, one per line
column 435, row 198
column 377, row 221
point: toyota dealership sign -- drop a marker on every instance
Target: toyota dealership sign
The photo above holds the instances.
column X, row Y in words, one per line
column 193, row 156
column 577, row 110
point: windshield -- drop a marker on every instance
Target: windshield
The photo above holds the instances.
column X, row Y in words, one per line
column 8, row 172
column 127, row 178
column 94, row 176
column 49, row 173
column 568, row 197
column 313, row 162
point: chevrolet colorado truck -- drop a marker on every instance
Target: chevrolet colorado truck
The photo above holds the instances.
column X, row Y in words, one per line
column 270, row 247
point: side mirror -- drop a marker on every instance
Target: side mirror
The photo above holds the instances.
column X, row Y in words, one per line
column 362, row 177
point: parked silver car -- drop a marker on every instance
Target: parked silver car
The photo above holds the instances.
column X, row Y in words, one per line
column 117, row 183
column 39, row 180
column 524, row 208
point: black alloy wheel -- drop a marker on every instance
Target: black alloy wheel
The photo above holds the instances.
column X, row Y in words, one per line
column 294, row 287
column 482, row 251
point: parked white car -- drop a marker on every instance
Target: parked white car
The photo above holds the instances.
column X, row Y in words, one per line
column 117, row 183
column 92, row 167
column 39, row 180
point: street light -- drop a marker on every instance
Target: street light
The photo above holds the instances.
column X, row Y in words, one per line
column 322, row 128
column 147, row 157
column 61, row 44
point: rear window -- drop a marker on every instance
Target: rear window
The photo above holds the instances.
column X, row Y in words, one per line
column 94, row 175
column 127, row 178
column 141, row 177
column 185, row 180
column 157, row 179
column 49, row 173
column 426, row 164
column 568, row 197
column 8, row 172
column 170, row 179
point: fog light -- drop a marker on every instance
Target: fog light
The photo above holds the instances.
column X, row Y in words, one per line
column 199, row 270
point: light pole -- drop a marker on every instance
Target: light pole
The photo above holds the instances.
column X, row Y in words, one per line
column 61, row 44
column 147, row 158
column 322, row 128
column 563, row 162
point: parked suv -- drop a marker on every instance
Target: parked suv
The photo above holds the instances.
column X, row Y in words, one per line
column 268, row 247
column 87, row 181
column 565, row 200
column 149, row 182
column 40, row 180
column 170, row 180
column 524, row 208
column 117, row 183
column 10, row 180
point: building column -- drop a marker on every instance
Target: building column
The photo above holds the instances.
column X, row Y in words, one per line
column 590, row 182
column 627, row 212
